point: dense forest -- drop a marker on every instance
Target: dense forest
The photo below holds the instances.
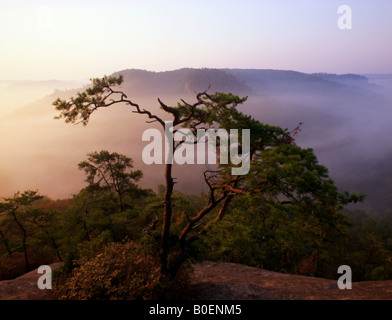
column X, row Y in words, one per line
column 120, row 240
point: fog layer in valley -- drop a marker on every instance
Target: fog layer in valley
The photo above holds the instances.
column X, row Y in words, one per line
column 346, row 120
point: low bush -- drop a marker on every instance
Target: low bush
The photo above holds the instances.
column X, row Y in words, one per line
column 121, row 271
column 14, row 266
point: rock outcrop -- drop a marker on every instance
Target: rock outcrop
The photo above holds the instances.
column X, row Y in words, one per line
column 26, row 287
column 228, row 281
column 231, row 281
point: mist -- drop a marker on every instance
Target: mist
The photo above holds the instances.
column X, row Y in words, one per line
column 345, row 120
column 15, row 94
column 350, row 133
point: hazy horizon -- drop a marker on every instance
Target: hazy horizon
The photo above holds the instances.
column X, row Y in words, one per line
column 56, row 45
column 314, row 78
column 10, row 98
column 83, row 81
column 79, row 40
column 348, row 125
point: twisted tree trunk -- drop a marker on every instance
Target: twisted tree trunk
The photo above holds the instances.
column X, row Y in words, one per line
column 164, row 249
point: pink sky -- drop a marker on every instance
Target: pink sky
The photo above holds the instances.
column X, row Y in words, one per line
column 76, row 40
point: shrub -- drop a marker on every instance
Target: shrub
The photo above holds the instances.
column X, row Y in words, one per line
column 14, row 266
column 121, row 271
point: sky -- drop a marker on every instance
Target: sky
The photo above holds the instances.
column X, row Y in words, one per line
column 77, row 40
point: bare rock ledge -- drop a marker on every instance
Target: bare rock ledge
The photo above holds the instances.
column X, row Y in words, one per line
column 231, row 281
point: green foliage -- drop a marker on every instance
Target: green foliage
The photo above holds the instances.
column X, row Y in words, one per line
column 13, row 266
column 292, row 213
column 210, row 109
column 81, row 107
column 368, row 247
column 109, row 169
column 16, row 211
column 184, row 206
column 112, row 172
column 19, row 200
column 111, row 203
column 273, row 239
column 285, row 214
column 91, row 214
column 31, row 223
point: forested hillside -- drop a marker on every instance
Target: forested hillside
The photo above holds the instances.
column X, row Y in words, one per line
column 82, row 194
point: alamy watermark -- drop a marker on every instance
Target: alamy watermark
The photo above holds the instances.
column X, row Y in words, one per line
column 45, row 281
column 345, row 18
column 345, row 281
column 185, row 153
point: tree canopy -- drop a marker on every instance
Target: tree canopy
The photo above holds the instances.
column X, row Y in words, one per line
column 283, row 177
column 112, row 172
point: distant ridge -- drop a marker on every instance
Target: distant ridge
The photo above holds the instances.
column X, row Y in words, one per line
column 346, row 120
column 185, row 82
column 181, row 81
column 346, row 79
column 237, row 81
